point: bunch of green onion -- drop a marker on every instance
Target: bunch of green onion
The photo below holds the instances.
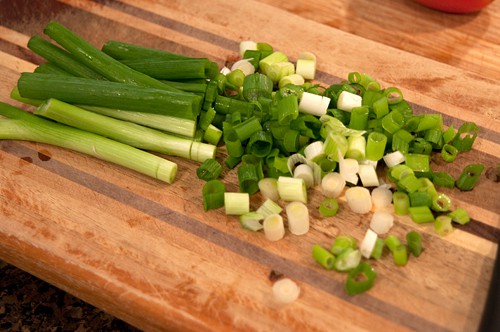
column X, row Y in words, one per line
column 124, row 100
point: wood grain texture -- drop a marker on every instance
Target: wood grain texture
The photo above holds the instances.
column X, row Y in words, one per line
column 146, row 252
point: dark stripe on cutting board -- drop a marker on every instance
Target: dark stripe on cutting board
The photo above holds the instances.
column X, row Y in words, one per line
column 224, row 240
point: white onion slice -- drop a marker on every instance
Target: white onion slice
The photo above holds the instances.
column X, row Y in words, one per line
column 368, row 243
column 381, row 222
column 368, row 176
column 274, row 228
column 381, row 197
column 394, row 158
column 348, row 100
column 269, row 188
column 304, row 171
column 285, row 291
column 298, row 218
column 332, row 184
column 359, row 199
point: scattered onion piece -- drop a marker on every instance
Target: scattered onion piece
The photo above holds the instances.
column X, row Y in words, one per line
column 285, row 291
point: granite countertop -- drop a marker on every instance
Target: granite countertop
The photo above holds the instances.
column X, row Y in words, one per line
column 30, row 304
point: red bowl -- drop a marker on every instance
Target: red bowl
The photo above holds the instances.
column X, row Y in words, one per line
column 456, row 6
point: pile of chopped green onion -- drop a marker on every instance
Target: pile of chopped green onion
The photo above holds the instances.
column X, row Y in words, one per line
column 283, row 133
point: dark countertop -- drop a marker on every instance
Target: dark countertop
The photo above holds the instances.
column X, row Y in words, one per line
column 30, row 304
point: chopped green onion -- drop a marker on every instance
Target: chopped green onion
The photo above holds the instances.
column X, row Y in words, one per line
column 332, row 184
column 236, row 203
column 360, row 279
column 393, row 122
column 249, row 175
column 347, row 101
column 323, row 256
column 285, row 291
column 260, row 143
column 410, row 183
column 418, row 162
column 414, row 243
column 459, row 216
column 375, row 146
column 292, row 189
column 393, row 94
column 443, row 225
column 294, row 79
column 274, row 228
column 328, row 207
column 368, row 176
column 421, row 214
column 381, row 222
column 304, row 171
column 269, row 207
column 210, row 169
column 334, row 145
column 401, row 140
column 421, row 198
column 443, row 179
column 359, row 199
column 449, row 153
column 356, row 147
column 401, row 203
column 213, row 194
column 449, row 134
column 347, row 260
column 341, row 243
column 378, row 249
column 368, row 243
column 441, row 203
column 256, row 86
column 247, row 128
column 420, row 146
column 275, row 57
column 381, row 197
column 359, row 118
column 400, row 255
column 314, row 104
column 465, row 137
column 392, row 242
column 212, row 135
column 469, row 177
column 278, row 70
column 394, row 158
column 298, row 218
column 252, row 221
column 269, row 188
column 428, row 187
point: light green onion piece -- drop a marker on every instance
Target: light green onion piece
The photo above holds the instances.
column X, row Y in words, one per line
column 356, row 147
column 421, row 198
column 236, row 203
column 306, row 68
column 294, row 79
column 378, row 249
column 414, row 243
column 443, row 225
column 292, row 189
column 401, row 202
column 341, row 243
column 252, row 221
column 459, row 216
column 329, row 207
column 335, row 145
column 400, row 255
column 375, row 146
column 323, row 256
column 368, row 243
column 269, row 188
column 441, row 203
column 392, row 242
column 421, row 214
column 418, row 162
column 278, row 70
column 269, row 207
column 274, row 57
column 410, row 183
column 347, row 260
column 212, row 135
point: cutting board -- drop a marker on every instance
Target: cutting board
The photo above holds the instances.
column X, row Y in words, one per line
column 146, row 251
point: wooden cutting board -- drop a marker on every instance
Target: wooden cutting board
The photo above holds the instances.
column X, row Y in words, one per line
column 146, row 252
